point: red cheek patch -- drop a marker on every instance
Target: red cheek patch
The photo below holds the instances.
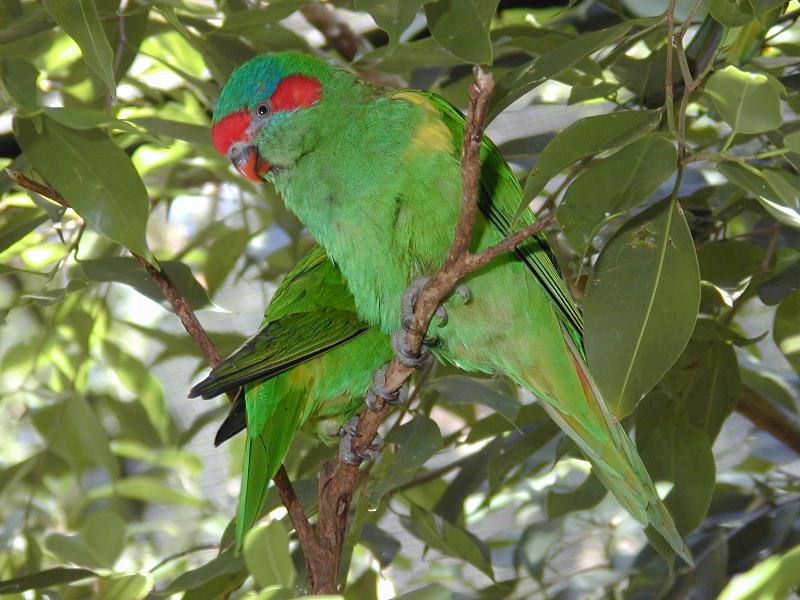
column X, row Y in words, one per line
column 295, row 91
column 231, row 128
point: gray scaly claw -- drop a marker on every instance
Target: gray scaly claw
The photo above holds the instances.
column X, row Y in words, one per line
column 404, row 354
column 377, row 393
column 346, row 452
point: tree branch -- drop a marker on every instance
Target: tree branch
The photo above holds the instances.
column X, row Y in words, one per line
column 181, row 307
column 770, row 417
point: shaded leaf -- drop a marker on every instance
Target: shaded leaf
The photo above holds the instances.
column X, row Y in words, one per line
column 675, row 451
column 124, row 587
column 97, row 544
column 462, row 28
column 460, row 389
column 613, row 185
column 547, row 66
column 393, row 16
column 641, row 304
column 419, row 439
column 786, row 329
column 383, row 545
column 267, row 557
column 48, row 578
column 583, row 497
column 586, row 137
column 18, row 82
column 448, row 538
column 127, row 270
column 16, row 222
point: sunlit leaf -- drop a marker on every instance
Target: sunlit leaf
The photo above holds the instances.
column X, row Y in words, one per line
column 775, row 578
column 18, row 81
column 124, row 587
column 749, row 102
column 97, row 544
column 147, row 489
column 93, row 174
column 79, row 18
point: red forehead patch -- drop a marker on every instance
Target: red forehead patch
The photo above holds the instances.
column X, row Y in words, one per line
column 295, row 91
column 231, row 128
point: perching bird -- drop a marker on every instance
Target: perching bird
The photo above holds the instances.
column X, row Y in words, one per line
column 375, row 176
column 309, row 365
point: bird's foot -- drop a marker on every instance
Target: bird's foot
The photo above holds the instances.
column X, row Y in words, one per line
column 346, row 452
column 377, row 394
column 402, row 350
column 409, row 299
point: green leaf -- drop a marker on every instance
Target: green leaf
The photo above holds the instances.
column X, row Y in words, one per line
column 97, row 545
column 128, row 271
column 535, row 544
column 583, row 497
column 94, row 175
column 88, row 118
column 434, row 591
column 641, row 304
column 80, row 20
column 460, row 389
column 462, row 28
column 706, row 378
column 613, row 185
column 195, row 134
column 226, row 563
column 267, row 556
column 729, row 262
column 383, row 545
column 138, row 379
column 44, row 579
column 675, row 451
column 124, row 587
column 75, row 434
column 448, row 538
column 393, row 16
column 147, row 489
column 775, row 191
column 419, row 439
column 18, row 221
column 18, row 81
column 549, row 65
column 786, row 329
column 774, row 578
column 731, row 13
column 749, row 102
column 586, row 137
column 792, row 141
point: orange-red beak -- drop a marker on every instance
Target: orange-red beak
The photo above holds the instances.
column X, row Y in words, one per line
column 231, row 137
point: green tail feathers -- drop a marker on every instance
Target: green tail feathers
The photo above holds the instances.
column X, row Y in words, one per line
column 617, row 463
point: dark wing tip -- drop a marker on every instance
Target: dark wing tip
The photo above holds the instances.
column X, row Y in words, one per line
column 233, row 423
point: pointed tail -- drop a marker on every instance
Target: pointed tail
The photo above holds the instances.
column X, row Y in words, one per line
column 615, row 461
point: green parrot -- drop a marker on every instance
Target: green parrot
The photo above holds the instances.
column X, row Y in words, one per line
column 309, row 365
column 375, row 176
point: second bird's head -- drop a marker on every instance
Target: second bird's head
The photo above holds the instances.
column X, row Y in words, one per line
column 267, row 114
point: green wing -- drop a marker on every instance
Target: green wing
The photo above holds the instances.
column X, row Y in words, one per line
column 311, row 313
column 499, row 200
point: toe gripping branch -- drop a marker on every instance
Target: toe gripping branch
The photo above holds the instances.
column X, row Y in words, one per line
column 407, row 304
column 346, row 452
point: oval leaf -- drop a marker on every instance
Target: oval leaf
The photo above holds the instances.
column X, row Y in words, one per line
column 749, row 102
column 267, row 556
column 611, row 186
column 641, row 304
column 462, row 28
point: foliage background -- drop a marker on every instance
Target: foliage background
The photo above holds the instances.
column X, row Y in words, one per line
column 110, row 487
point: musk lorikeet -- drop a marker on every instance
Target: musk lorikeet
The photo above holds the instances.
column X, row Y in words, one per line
column 309, row 366
column 375, row 176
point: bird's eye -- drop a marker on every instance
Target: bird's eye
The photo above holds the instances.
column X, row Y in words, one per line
column 262, row 110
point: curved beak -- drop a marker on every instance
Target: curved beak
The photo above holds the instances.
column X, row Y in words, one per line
column 245, row 158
